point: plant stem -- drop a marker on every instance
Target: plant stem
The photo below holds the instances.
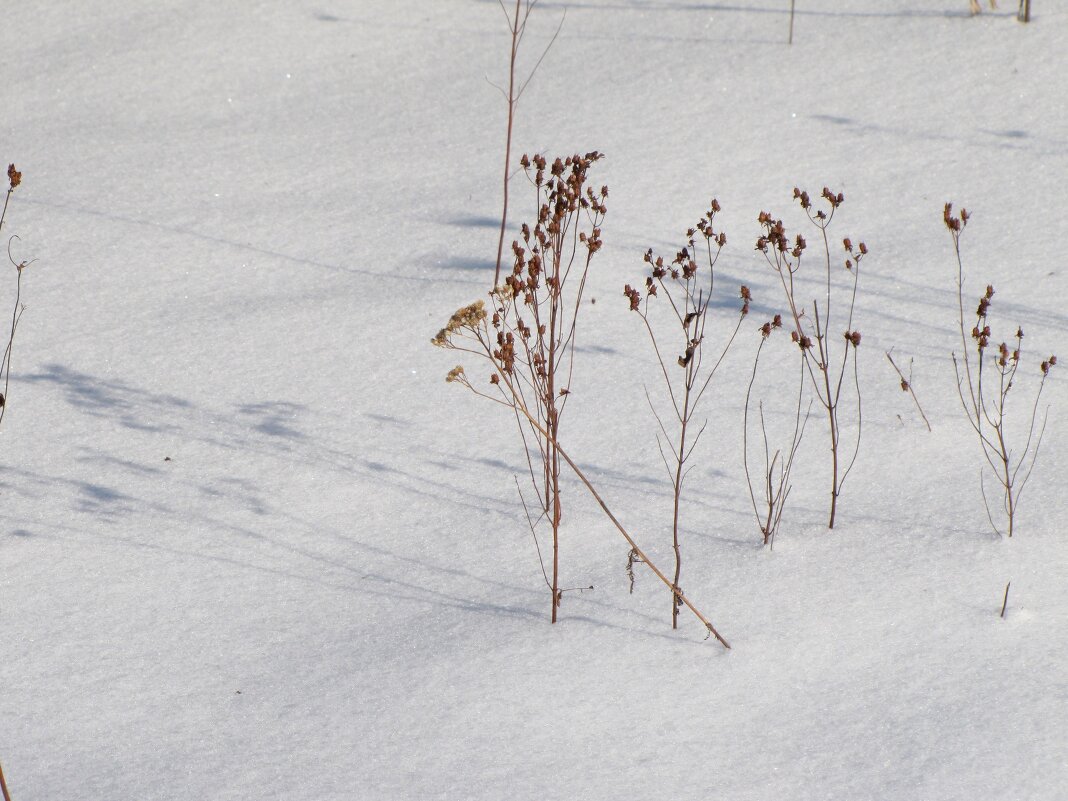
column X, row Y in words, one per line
column 678, row 496
column 3, row 786
column 508, row 143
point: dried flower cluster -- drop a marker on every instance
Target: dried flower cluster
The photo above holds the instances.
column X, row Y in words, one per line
column 469, row 317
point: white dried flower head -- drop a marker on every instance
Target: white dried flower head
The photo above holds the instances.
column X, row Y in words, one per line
column 467, row 317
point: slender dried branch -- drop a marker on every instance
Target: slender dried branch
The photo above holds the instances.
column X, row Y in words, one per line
column 985, row 403
column 906, row 385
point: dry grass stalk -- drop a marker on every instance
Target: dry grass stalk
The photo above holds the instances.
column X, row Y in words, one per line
column 517, row 26
column 14, row 178
column 986, row 406
column 906, row 386
column 827, row 373
column 3, row 786
column 775, row 475
column 687, row 289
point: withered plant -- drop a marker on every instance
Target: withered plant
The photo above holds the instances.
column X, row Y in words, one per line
column 828, row 371
column 528, row 337
column 517, row 27
column 683, row 289
column 984, row 396
column 14, row 178
column 777, row 466
column 535, row 320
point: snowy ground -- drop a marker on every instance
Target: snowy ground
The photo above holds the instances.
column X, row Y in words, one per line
column 253, row 546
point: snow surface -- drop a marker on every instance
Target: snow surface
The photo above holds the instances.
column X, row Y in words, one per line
column 253, row 546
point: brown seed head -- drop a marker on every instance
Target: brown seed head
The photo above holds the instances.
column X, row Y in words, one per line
column 14, row 177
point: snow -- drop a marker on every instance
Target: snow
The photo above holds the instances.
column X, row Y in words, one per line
column 254, row 546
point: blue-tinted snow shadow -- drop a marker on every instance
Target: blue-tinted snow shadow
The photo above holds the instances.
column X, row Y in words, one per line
column 475, row 221
column 248, row 247
column 139, row 409
column 466, row 263
column 1001, row 141
column 113, row 398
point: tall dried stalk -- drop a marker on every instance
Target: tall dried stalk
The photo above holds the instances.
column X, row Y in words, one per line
column 827, row 373
column 14, row 178
column 688, row 289
column 517, row 26
column 986, row 406
column 3, row 786
column 535, row 318
column 775, row 476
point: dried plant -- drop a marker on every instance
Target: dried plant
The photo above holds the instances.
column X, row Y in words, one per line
column 535, row 319
column 906, row 385
column 775, row 475
column 14, row 178
column 827, row 372
column 528, row 337
column 985, row 400
column 686, row 288
column 517, row 26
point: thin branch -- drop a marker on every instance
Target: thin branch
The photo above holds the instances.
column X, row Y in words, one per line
column 542, row 57
column 532, row 523
column 906, row 384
